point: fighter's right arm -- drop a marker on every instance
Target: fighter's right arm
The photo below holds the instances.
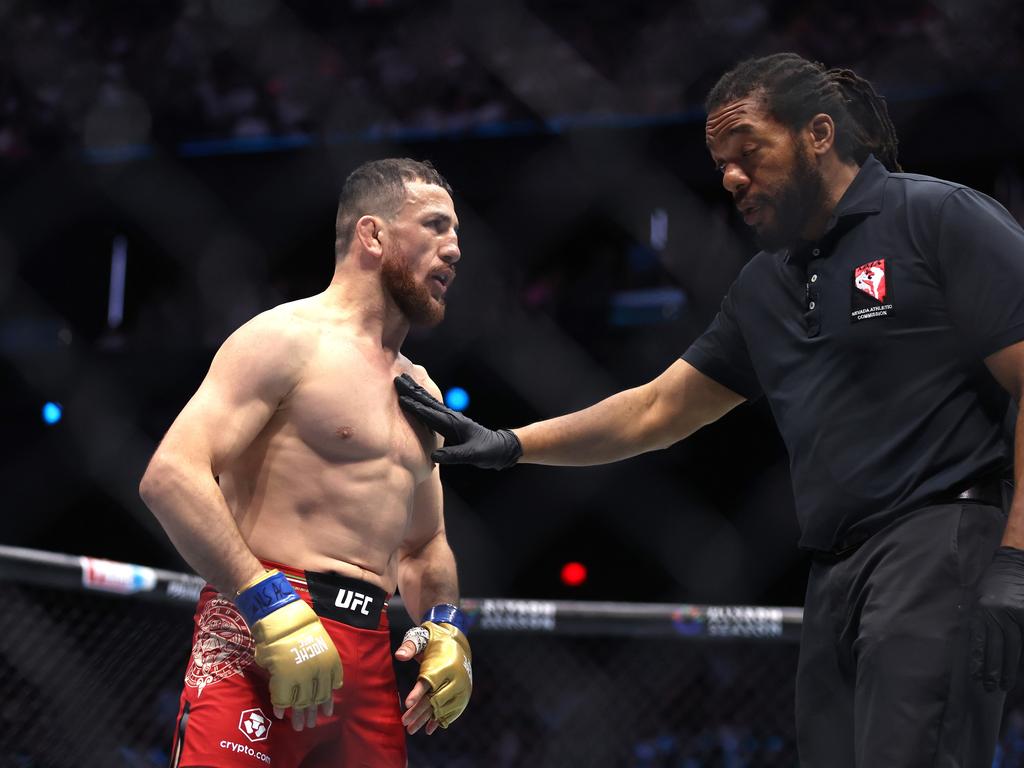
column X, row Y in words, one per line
column 655, row 415
column 250, row 375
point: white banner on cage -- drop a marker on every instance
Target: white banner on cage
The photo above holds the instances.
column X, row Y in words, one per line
column 110, row 576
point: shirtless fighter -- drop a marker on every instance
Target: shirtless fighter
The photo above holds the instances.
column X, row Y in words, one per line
column 297, row 487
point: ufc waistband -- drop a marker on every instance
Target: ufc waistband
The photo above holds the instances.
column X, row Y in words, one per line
column 340, row 598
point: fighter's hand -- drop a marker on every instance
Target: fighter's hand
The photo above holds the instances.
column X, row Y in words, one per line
column 293, row 646
column 446, row 675
column 998, row 620
column 466, row 442
column 418, row 711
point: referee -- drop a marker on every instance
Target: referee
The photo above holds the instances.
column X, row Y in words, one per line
column 883, row 320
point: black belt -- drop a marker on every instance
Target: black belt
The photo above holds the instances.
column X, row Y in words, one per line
column 995, row 493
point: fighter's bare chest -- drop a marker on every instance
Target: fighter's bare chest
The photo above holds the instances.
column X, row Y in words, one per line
column 346, row 410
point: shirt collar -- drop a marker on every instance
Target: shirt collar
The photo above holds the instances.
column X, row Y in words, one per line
column 862, row 197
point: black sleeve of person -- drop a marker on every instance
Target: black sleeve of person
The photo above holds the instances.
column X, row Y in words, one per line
column 721, row 353
column 980, row 260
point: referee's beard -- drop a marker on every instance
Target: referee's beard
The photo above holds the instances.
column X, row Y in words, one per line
column 797, row 200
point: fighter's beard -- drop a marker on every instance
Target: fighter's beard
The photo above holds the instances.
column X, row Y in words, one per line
column 413, row 298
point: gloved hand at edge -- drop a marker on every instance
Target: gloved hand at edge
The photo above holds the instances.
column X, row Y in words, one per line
column 998, row 620
column 466, row 442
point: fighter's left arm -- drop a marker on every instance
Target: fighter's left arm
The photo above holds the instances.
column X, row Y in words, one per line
column 426, row 565
column 428, row 582
column 1007, row 366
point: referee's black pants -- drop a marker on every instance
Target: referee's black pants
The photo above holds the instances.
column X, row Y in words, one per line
column 883, row 676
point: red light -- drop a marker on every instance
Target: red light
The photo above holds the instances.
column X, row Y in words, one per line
column 574, row 574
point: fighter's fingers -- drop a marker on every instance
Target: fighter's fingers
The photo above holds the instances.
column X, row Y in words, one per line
column 327, row 708
column 432, row 725
column 416, row 718
column 337, row 680
column 418, row 695
column 419, row 710
column 279, row 712
column 406, row 651
column 298, row 718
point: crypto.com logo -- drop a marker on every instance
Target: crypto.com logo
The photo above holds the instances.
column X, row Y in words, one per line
column 254, row 725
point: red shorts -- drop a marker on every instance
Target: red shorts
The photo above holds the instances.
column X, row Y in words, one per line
column 226, row 719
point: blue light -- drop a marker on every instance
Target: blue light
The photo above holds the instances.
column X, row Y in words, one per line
column 52, row 413
column 456, row 398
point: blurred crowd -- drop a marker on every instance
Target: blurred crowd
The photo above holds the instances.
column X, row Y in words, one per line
column 96, row 75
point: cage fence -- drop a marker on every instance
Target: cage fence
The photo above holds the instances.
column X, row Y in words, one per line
column 92, row 678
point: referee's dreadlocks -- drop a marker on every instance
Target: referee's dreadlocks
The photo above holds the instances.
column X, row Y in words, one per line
column 796, row 89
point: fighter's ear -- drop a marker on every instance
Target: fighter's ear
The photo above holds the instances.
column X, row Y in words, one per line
column 369, row 233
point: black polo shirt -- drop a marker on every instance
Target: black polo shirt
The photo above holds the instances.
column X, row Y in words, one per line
column 869, row 347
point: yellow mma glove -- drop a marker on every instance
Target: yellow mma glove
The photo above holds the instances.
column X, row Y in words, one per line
column 445, row 662
column 291, row 643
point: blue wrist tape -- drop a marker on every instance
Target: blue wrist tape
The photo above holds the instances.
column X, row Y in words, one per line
column 265, row 597
column 446, row 613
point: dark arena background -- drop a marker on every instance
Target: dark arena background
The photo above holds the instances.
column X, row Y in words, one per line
column 169, row 169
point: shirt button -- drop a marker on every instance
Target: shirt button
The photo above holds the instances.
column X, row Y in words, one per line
column 816, row 252
column 814, row 278
column 811, row 305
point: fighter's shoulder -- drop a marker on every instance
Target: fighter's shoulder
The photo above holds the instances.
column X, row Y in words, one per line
column 419, row 373
column 288, row 331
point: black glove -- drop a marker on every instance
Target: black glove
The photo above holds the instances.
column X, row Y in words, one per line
column 465, row 441
column 998, row 619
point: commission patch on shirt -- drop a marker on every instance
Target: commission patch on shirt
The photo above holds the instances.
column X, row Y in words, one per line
column 871, row 294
